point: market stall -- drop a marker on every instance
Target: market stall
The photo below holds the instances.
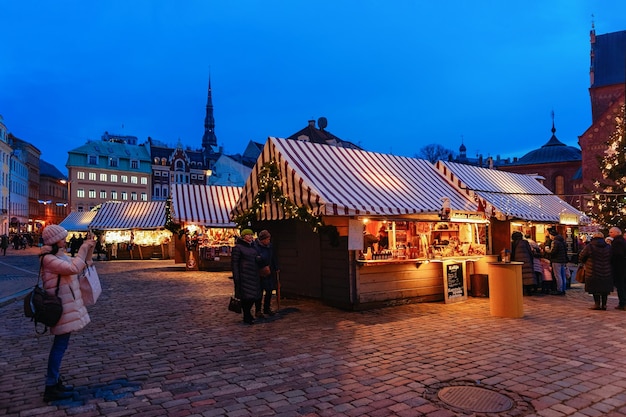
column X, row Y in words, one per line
column 361, row 229
column 77, row 222
column 207, row 232
column 132, row 230
column 515, row 202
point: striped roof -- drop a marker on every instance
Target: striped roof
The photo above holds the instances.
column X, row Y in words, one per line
column 146, row 215
column 508, row 195
column 335, row 181
column 78, row 221
column 207, row 205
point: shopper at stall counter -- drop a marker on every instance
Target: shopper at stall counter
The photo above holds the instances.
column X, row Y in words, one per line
column 521, row 252
column 55, row 264
column 558, row 259
column 596, row 257
column 246, row 273
column 618, row 264
column 268, row 269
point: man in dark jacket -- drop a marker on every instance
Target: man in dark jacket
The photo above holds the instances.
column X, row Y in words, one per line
column 246, row 273
column 558, row 259
column 618, row 265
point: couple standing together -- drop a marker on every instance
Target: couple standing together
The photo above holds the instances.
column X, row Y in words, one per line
column 254, row 273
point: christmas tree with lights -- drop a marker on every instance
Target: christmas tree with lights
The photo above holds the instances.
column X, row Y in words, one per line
column 610, row 199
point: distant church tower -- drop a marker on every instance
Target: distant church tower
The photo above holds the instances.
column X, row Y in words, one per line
column 209, row 140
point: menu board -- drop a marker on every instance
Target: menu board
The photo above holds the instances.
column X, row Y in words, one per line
column 454, row 283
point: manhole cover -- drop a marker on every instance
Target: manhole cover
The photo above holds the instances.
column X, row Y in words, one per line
column 475, row 399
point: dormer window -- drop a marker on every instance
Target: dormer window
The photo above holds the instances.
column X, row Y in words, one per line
column 92, row 160
column 113, row 162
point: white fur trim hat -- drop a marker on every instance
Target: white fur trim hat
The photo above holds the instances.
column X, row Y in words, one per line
column 53, row 234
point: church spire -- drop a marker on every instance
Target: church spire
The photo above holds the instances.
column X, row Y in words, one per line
column 209, row 140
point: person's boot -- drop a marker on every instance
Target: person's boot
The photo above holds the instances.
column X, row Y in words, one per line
column 55, row 393
column 604, row 299
column 596, row 299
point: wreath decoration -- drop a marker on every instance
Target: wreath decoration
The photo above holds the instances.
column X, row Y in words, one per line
column 269, row 184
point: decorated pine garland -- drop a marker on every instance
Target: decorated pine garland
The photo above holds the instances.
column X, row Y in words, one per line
column 269, row 184
column 170, row 225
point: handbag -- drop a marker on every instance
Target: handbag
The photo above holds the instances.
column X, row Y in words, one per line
column 90, row 286
column 580, row 274
column 234, row 305
column 42, row 307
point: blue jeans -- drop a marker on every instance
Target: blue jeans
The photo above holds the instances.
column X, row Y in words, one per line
column 559, row 275
column 56, row 356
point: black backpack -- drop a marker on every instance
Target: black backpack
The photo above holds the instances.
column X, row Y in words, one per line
column 42, row 307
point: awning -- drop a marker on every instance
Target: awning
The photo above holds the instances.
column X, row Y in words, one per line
column 207, row 205
column 78, row 221
column 508, row 195
column 333, row 181
column 146, row 215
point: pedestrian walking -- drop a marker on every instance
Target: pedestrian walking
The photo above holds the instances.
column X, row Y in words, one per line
column 246, row 273
column 57, row 266
column 268, row 268
column 4, row 243
column 596, row 258
column 618, row 264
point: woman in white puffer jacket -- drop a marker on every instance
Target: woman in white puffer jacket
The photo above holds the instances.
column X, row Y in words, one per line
column 56, row 263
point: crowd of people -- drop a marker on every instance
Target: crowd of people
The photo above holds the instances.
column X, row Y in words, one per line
column 545, row 268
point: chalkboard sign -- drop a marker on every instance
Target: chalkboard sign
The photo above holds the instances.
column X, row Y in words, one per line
column 454, row 285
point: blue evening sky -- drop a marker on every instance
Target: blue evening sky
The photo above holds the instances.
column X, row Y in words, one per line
column 391, row 76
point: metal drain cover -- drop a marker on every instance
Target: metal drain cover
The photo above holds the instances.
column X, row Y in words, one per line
column 475, row 399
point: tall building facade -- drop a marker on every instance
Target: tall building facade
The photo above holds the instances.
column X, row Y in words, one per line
column 114, row 168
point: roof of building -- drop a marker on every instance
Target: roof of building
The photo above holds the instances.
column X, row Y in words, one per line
column 609, row 56
column 207, row 205
column 48, row 170
column 336, row 181
column 553, row 151
column 319, row 135
column 506, row 194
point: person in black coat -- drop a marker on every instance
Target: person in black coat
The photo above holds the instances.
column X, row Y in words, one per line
column 596, row 257
column 268, row 269
column 521, row 252
column 618, row 263
column 246, row 273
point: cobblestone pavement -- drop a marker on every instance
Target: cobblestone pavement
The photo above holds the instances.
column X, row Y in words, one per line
column 162, row 342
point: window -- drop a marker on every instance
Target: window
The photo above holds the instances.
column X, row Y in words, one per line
column 92, row 176
column 133, row 179
column 134, row 164
column 144, row 180
column 124, row 195
column 80, row 193
column 103, row 177
column 103, row 194
column 92, row 160
column 144, row 197
column 124, row 178
column 200, row 177
column 80, row 175
column 114, row 195
column 81, row 208
column 180, row 166
column 165, row 192
column 92, row 193
column 113, row 177
column 133, row 196
column 157, row 192
column 113, row 162
column 194, row 176
column 559, row 185
column 163, row 161
column 156, row 161
column 157, row 173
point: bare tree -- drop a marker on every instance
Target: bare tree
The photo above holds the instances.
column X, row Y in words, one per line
column 435, row 152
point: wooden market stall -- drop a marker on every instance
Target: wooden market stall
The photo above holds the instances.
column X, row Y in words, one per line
column 392, row 229
column 207, row 232
column 515, row 202
column 133, row 230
